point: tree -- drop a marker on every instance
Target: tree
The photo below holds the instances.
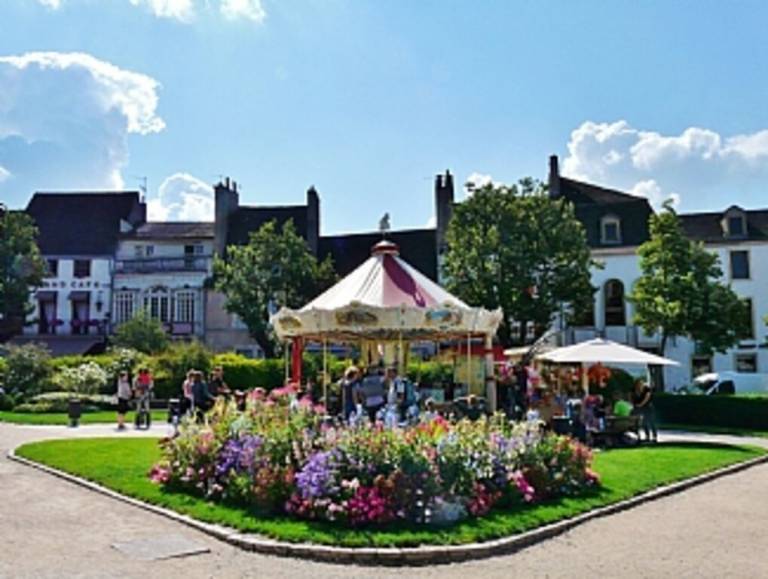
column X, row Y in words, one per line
column 680, row 292
column 142, row 333
column 22, row 268
column 274, row 269
column 516, row 248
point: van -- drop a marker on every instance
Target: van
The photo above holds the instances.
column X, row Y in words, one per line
column 730, row 383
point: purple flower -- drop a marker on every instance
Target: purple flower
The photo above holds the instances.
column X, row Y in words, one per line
column 318, row 476
column 238, row 455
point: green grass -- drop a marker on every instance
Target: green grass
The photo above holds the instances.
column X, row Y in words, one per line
column 61, row 418
column 716, row 429
column 122, row 465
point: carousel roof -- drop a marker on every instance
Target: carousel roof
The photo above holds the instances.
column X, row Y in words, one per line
column 385, row 298
column 384, row 280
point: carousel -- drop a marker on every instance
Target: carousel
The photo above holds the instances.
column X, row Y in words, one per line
column 381, row 308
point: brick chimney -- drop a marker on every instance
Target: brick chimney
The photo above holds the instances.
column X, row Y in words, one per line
column 444, row 198
column 313, row 220
column 554, row 177
column 227, row 200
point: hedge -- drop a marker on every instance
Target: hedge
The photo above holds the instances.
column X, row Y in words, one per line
column 723, row 411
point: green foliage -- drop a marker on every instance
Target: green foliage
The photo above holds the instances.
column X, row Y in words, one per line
column 430, row 373
column 720, row 411
column 620, row 382
column 679, row 292
column 141, row 333
column 169, row 368
column 241, row 373
column 516, row 248
column 276, row 267
column 21, row 265
column 624, row 473
column 29, row 370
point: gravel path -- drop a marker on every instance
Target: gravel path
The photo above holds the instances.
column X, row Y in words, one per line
column 50, row 528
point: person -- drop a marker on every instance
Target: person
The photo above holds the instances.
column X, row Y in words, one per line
column 124, row 393
column 348, row 386
column 186, row 392
column 142, row 391
column 429, row 413
column 642, row 400
column 371, row 393
column 621, row 407
column 548, row 407
column 202, row 399
column 216, row 385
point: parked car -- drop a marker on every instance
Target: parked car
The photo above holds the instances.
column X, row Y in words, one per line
column 725, row 383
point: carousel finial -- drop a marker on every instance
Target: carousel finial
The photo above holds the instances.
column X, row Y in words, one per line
column 384, row 225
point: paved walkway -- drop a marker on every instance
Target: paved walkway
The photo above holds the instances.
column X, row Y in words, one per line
column 50, row 528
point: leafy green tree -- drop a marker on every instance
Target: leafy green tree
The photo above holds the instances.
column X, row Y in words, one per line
column 274, row 269
column 28, row 370
column 680, row 292
column 22, row 268
column 516, row 248
column 142, row 333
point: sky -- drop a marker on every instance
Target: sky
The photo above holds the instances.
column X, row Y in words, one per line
column 368, row 100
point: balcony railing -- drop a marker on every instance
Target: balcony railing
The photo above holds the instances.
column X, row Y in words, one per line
column 163, row 264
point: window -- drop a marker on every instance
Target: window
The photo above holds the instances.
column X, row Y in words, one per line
column 149, row 250
column 739, row 265
column 157, row 304
column 196, row 249
column 750, row 322
column 610, row 229
column 736, row 226
column 53, row 268
column 82, row 268
column 746, row 363
column 701, row 365
column 144, row 250
column 185, row 306
column 125, row 304
column 615, row 310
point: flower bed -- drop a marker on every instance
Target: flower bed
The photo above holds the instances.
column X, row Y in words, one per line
column 281, row 458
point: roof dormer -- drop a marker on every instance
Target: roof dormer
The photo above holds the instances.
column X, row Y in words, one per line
column 610, row 230
column 734, row 223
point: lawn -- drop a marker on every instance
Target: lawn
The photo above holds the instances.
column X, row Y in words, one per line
column 61, row 418
column 122, row 465
column 716, row 430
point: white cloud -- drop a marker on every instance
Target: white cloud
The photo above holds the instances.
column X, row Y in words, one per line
column 699, row 163
column 182, row 197
column 4, row 174
column 431, row 222
column 182, row 10
column 52, row 4
column 65, row 118
column 478, row 181
column 248, row 9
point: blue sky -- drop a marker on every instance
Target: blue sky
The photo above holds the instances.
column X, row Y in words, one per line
column 368, row 100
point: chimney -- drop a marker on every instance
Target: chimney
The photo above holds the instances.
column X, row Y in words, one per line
column 554, row 177
column 226, row 200
column 444, row 198
column 313, row 220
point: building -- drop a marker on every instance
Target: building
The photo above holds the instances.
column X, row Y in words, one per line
column 616, row 224
column 78, row 236
column 162, row 269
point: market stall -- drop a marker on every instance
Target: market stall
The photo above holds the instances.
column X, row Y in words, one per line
column 383, row 306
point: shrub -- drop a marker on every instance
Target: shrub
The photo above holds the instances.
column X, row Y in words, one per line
column 59, row 402
column 241, row 373
column 88, row 378
column 141, row 333
column 430, row 373
column 723, row 411
column 169, row 368
column 28, row 370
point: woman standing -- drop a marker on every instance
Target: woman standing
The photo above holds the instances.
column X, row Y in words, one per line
column 642, row 400
column 124, row 392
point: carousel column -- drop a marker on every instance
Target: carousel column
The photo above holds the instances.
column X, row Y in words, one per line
column 490, row 376
column 297, row 351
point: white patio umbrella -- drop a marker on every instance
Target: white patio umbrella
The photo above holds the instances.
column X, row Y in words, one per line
column 604, row 352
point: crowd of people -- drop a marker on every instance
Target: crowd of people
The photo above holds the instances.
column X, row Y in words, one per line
column 379, row 393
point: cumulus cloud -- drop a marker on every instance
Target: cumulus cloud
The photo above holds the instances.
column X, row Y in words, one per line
column 182, row 197
column 248, row 9
column 699, row 167
column 4, row 174
column 186, row 10
column 64, row 121
column 182, row 10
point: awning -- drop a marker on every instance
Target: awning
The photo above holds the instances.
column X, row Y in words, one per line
column 604, row 352
column 45, row 295
column 79, row 296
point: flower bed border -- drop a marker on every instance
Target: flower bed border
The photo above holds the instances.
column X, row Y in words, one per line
column 393, row 556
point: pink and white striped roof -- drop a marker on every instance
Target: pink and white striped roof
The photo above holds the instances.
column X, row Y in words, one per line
column 385, row 281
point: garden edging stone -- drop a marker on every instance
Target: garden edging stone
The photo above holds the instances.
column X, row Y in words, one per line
column 426, row 555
